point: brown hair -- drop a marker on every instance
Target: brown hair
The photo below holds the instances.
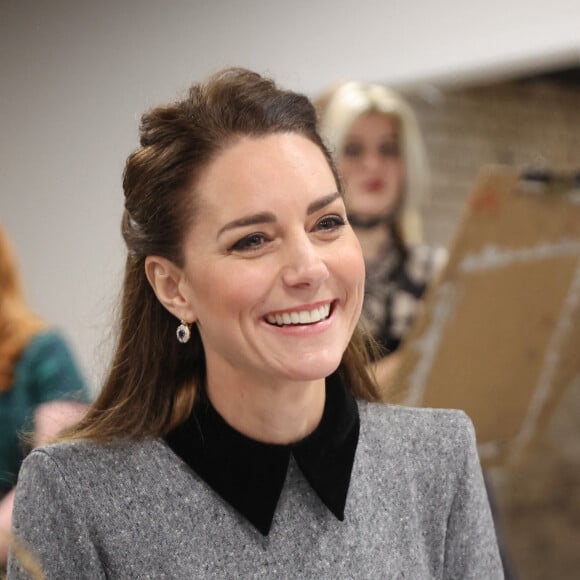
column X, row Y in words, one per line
column 23, row 556
column 154, row 379
column 18, row 324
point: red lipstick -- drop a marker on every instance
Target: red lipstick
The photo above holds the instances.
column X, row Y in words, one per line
column 374, row 185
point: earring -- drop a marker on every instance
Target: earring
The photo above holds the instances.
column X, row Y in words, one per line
column 183, row 332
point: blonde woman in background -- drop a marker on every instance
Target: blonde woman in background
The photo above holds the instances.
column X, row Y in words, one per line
column 41, row 389
column 375, row 139
column 380, row 155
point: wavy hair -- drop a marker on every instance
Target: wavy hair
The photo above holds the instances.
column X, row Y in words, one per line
column 153, row 380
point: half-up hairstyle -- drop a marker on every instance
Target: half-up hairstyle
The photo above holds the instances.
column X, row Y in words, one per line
column 153, row 381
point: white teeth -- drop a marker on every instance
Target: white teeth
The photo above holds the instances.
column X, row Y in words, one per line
column 300, row 316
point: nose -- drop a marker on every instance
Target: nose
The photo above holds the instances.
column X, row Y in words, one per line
column 304, row 263
column 372, row 160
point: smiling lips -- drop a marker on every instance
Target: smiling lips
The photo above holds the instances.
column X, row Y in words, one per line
column 300, row 316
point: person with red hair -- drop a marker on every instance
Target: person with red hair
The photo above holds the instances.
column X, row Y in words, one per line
column 41, row 388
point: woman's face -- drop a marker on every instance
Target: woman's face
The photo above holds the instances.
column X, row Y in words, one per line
column 371, row 166
column 273, row 273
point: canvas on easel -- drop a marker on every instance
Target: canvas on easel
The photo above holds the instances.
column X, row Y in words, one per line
column 499, row 333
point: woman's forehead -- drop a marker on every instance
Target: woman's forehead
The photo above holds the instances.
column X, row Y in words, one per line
column 375, row 121
column 257, row 164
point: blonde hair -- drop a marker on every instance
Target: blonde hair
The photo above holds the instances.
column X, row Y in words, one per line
column 18, row 324
column 341, row 106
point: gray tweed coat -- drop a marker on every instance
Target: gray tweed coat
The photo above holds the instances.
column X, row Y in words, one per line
column 416, row 508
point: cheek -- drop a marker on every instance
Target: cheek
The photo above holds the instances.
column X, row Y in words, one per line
column 210, row 295
column 230, row 292
column 402, row 177
column 351, row 266
column 396, row 171
column 358, row 273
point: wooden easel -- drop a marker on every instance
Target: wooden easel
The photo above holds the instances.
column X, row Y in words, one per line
column 499, row 335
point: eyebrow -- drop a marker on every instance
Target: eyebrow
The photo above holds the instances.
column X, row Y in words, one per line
column 322, row 202
column 250, row 220
column 267, row 217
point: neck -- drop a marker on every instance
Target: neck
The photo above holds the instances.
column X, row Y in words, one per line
column 268, row 412
column 372, row 240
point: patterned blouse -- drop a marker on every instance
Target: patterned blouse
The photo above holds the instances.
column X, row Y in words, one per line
column 394, row 287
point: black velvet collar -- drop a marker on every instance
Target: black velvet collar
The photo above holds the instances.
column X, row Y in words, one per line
column 250, row 475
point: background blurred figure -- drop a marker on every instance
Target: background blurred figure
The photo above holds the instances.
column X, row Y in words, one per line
column 41, row 389
column 380, row 155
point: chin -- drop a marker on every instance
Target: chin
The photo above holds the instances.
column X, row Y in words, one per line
column 317, row 368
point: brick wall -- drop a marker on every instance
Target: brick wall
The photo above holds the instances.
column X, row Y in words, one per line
column 534, row 122
column 527, row 123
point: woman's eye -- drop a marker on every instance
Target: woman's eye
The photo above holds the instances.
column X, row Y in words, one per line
column 330, row 223
column 352, row 150
column 249, row 243
column 389, row 149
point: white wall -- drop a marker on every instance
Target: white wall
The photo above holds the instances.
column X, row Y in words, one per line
column 76, row 75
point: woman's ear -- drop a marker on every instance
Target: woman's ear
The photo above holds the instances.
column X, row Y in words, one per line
column 167, row 281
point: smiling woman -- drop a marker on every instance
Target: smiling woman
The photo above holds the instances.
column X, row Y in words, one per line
column 284, row 240
column 252, row 444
